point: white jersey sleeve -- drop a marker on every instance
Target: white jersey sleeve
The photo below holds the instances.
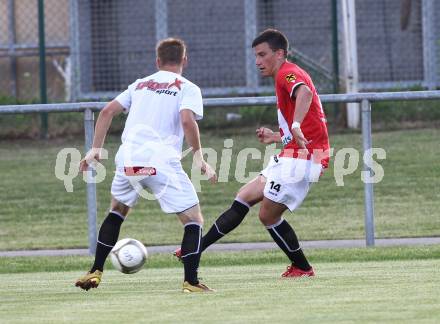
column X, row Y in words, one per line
column 125, row 99
column 192, row 100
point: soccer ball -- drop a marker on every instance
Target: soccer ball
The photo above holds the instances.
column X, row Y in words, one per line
column 128, row 255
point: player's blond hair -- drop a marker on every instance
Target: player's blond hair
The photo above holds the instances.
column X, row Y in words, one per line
column 171, row 51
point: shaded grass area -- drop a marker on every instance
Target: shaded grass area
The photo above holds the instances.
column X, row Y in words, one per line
column 403, row 291
column 394, row 114
column 37, row 212
column 215, row 259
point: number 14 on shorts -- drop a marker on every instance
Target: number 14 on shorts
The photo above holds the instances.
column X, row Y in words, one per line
column 275, row 186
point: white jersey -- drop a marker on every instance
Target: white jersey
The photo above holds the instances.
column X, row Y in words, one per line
column 153, row 131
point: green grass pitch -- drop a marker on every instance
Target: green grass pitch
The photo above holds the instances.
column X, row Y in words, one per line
column 37, row 212
column 392, row 285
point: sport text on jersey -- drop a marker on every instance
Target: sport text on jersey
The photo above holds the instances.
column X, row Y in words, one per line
column 160, row 88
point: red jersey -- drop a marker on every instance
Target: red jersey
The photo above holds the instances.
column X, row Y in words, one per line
column 314, row 127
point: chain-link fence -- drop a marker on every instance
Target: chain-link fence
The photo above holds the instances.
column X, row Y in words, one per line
column 95, row 48
column 391, row 43
column 116, row 41
column 19, row 48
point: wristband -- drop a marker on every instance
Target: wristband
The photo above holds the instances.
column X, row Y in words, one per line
column 296, row 124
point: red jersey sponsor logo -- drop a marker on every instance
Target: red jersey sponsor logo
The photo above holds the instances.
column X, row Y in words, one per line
column 152, row 85
column 139, row 171
column 162, row 87
column 176, row 84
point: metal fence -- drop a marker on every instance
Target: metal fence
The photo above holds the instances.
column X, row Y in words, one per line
column 19, row 48
column 95, row 48
column 365, row 99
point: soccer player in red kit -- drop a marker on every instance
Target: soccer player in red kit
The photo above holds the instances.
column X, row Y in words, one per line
column 285, row 182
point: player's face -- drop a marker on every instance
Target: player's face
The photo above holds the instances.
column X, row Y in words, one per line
column 267, row 60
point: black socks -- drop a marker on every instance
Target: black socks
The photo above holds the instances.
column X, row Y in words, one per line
column 191, row 251
column 107, row 238
column 193, row 244
column 226, row 222
column 284, row 235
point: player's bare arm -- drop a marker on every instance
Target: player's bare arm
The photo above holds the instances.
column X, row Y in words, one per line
column 103, row 123
column 192, row 137
column 304, row 98
column 267, row 136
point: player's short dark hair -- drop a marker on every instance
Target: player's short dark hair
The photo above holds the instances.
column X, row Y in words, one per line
column 274, row 38
column 171, row 51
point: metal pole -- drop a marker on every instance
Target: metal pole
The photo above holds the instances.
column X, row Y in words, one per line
column 351, row 59
column 42, row 56
column 89, row 126
column 11, row 40
column 161, row 17
column 335, row 51
column 335, row 46
column 75, row 66
column 250, row 21
column 368, row 187
column 429, row 44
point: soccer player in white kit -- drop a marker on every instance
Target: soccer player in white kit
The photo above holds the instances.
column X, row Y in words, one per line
column 162, row 109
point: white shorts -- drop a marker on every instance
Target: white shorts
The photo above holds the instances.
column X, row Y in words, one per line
column 288, row 180
column 169, row 184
